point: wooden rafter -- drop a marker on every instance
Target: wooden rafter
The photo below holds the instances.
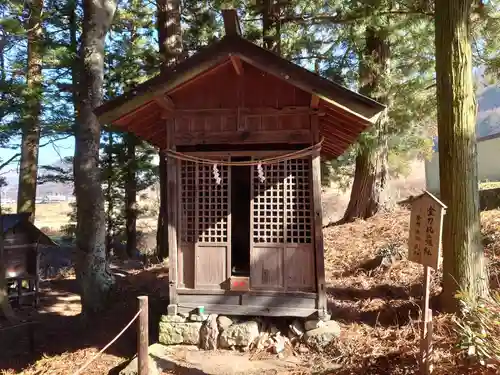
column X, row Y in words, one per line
column 237, row 64
column 165, row 102
column 314, row 101
column 335, row 133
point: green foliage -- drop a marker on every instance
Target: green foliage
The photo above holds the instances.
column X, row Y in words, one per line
column 478, row 328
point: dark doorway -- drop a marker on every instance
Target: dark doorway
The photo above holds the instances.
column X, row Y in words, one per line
column 240, row 218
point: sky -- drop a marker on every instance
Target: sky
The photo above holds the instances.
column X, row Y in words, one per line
column 50, row 154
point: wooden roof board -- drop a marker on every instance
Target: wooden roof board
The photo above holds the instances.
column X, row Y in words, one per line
column 332, row 93
column 11, row 221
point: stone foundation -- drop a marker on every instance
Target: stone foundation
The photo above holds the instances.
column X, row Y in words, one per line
column 212, row 332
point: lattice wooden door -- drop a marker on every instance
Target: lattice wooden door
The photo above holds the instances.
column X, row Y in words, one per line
column 205, row 225
column 282, row 254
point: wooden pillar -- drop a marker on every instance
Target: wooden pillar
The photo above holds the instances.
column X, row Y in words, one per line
column 172, row 191
column 318, row 220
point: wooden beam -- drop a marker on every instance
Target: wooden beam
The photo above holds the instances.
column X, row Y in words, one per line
column 231, row 22
column 165, row 102
column 125, row 118
column 314, row 101
column 280, row 311
column 172, row 200
column 237, row 64
column 332, row 131
column 339, row 150
column 340, row 124
column 318, row 221
column 243, row 137
column 243, row 111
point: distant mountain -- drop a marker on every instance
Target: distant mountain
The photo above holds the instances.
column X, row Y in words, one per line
column 49, row 188
column 488, row 113
column 488, row 117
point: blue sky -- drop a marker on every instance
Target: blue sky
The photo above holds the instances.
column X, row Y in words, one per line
column 49, row 154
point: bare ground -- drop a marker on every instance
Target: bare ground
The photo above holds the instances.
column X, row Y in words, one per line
column 377, row 308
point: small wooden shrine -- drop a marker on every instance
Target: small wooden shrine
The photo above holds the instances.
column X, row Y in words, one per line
column 243, row 131
column 21, row 241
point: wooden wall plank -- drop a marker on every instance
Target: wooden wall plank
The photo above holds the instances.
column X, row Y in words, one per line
column 243, row 137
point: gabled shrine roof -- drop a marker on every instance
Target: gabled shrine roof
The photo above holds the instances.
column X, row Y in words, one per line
column 347, row 112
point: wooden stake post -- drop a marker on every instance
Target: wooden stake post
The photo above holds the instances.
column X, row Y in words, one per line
column 424, row 246
column 142, row 337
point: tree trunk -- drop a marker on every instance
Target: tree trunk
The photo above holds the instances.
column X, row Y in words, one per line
column 370, row 176
column 270, row 28
column 170, row 46
column 109, row 196
column 464, row 265
column 131, row 196
column 31, row 125
column 94, row 279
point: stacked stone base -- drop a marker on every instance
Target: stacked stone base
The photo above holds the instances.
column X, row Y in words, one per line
column 212, row 331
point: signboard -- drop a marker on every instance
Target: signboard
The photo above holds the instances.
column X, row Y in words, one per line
column 426, row 225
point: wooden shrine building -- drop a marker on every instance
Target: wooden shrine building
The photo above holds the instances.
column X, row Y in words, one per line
column 243, row 130
column 21, row 240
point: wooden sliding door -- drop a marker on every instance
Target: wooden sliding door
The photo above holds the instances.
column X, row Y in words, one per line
column 204, row 258
column 282, row 251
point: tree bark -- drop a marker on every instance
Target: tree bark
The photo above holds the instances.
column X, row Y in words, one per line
column 464, row 265
column 170, row 46
column 370, row 176
column 131, row 196
column 270, row 27
column 31, row 125
column 94, row 279
column 109, row 196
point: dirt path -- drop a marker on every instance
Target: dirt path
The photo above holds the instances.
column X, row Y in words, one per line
column 62, row 335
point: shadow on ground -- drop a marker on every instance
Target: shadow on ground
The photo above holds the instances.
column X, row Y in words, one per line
column 61, row 328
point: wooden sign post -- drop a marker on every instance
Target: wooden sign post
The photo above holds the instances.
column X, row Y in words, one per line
column 424, row 247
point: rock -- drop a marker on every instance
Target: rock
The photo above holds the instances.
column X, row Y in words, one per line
column 209, row 333
column 303, row 349
column 240, row 334
column 131, row 368
column 320, row 337
column 273, row 330
column 197, row 318
column 224, row 322
column 296, row 328
column 172, row 333
column 173, row 319
column 313, row 324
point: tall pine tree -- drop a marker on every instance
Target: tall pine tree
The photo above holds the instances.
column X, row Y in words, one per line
column 464, row 264
column 93, row 276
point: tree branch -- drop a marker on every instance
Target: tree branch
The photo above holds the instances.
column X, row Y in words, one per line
column 15, row 156
column 340, row 19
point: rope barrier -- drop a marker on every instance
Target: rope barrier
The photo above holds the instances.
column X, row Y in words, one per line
column 266, row 161
column 87, row 364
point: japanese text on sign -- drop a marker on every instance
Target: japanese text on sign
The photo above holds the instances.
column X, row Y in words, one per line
column 425, row 230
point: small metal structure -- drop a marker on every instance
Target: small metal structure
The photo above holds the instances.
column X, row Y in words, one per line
column 21, row 241
column 243, row 131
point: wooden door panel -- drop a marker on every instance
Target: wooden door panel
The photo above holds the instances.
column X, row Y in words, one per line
column 299, row 268
column 211, row 267
column 266, row 268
